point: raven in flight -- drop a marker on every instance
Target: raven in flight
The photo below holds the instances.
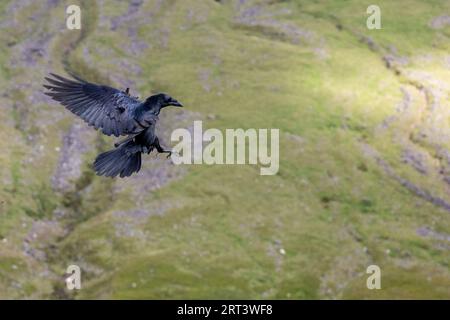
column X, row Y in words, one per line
column 116, row 113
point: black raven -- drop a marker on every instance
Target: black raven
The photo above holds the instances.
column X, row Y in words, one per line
column 116, row 113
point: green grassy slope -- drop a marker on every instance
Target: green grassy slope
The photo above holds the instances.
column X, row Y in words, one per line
column 364, row 155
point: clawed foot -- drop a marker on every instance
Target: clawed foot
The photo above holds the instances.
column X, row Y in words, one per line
column 169, row 153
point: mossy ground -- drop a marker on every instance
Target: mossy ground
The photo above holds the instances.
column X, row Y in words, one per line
column 225, row 231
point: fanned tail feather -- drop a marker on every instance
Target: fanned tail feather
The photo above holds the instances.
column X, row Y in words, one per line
column 122, row 161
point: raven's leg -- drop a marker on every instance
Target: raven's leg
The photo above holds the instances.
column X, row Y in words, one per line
column 119, row 143
column 161, row 149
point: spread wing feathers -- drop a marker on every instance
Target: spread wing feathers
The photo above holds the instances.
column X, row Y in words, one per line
column 103, row 107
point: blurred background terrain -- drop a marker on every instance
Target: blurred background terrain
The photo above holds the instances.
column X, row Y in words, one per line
column 364, row 151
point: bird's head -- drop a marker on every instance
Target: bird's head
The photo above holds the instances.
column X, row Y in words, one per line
column 161, row 100
column 169, row 101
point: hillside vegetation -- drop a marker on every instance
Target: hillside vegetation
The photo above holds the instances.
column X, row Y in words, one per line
column 364, row 151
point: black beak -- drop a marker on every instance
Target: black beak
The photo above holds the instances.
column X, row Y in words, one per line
column 175, row 103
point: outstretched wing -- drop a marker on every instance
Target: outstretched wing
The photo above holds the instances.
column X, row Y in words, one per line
column 103, row 107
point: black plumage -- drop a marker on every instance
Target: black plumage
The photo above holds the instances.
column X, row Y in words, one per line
column 114, row 112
